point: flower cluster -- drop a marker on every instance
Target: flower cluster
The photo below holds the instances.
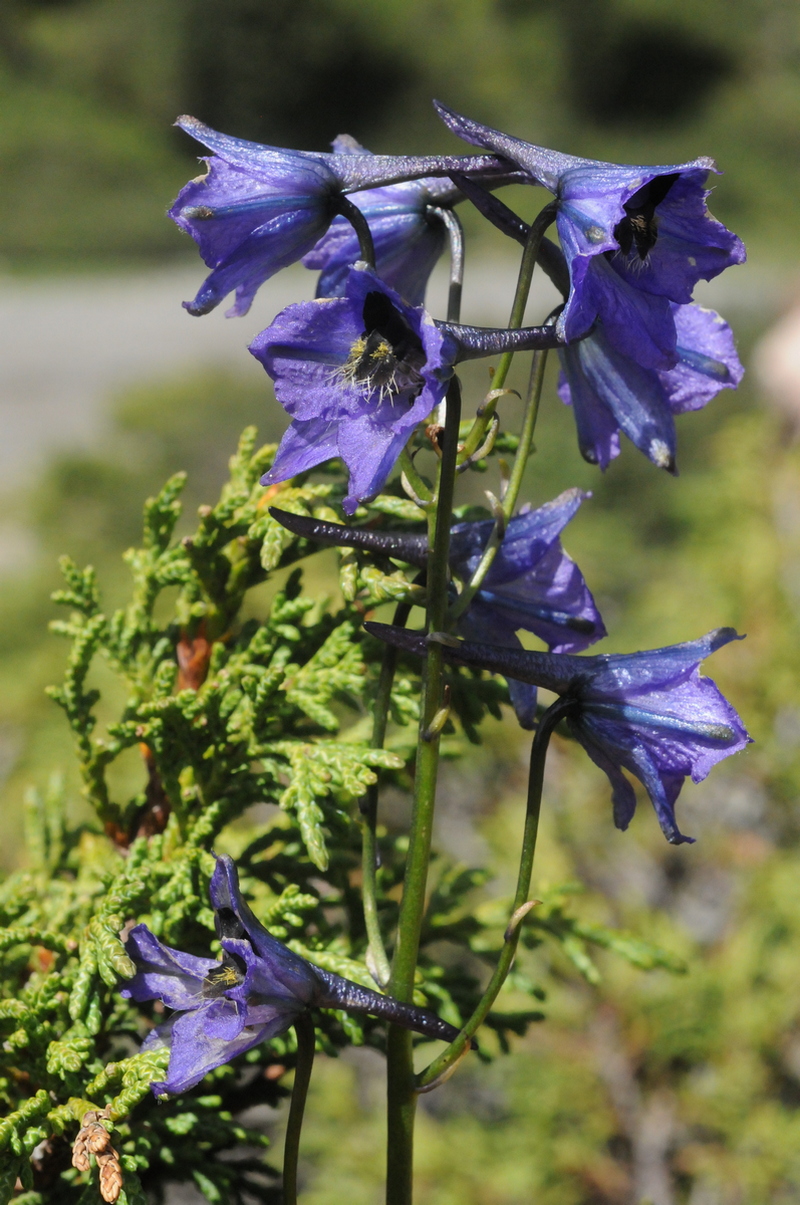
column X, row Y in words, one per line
column 635, row 241
column 362, row 366
column 366, row 376
column 260, row 208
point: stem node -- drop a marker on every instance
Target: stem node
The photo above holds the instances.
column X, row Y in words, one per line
column 517, row 917
column 438, row 722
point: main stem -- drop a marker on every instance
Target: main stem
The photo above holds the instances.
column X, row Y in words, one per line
column 378, row 962
column 400, row 1067
column 448, row 1058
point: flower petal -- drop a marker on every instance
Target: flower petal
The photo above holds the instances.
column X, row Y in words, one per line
column 194, row 1051
column 707, row 359
column 163, row 973
column 303, row 447
column 616, row 675
column 596, row 426
column 634, row 396
column 639, row 325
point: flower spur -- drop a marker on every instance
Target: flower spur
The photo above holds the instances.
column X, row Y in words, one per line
column 260, row 208
column 651, row 713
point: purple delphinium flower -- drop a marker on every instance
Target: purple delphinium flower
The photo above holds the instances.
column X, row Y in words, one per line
column 610, row 393
column 260, row 208
column 635, row 239
column 407, row 236
column 532, row 585
column 651, row 713
column 356, row 374
column 256, row 991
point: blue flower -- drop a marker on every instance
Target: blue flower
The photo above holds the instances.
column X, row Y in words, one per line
column 408, row 237
column 259, row 208
column 357, row 373
column 610, row 393
column 635, row 239
column 532, row 585
column 259, row 987
column 651, row 713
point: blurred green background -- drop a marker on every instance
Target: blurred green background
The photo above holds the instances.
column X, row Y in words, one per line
column 638, row 1087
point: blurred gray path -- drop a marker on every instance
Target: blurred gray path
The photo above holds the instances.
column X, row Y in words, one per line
column 69, row 344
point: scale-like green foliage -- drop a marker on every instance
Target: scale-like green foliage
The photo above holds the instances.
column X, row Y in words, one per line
column 227, row 715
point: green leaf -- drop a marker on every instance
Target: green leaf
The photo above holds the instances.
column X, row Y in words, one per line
column 398, row 508
column 319, row 769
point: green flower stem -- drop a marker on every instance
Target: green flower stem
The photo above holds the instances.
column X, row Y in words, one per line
column 377, row 960
column 304, row 1028
column 400, row 1067
column 449, row 1057
column 529, row 256
column 532, row 401
column 424, row 496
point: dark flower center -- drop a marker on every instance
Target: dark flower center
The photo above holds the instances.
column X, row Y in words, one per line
column 232, row 969
column 639, row 227
column 230, row 973
column 387, row 356
column 227, row 923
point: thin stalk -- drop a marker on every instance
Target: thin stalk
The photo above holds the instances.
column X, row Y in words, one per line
column 424, row 496
column 455, row 234
column 360, row 224
column 529, row 257
column 440, row 1066
column 530, row 254
column 377, row 960
column 532, row 400
column 304, row 1028
column 400, row 1067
